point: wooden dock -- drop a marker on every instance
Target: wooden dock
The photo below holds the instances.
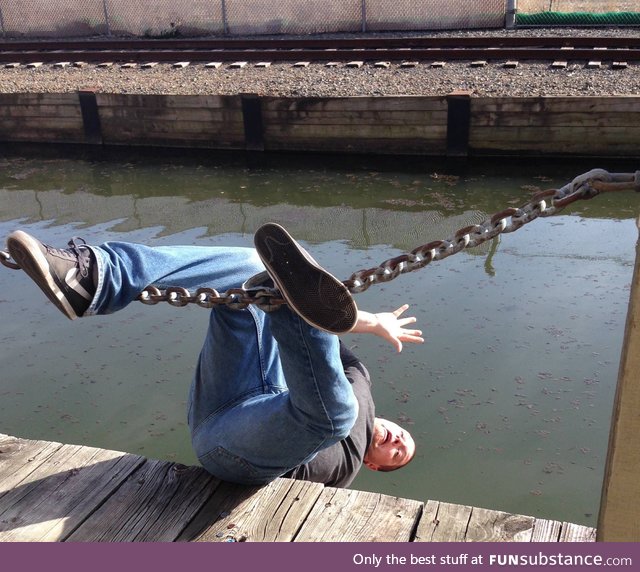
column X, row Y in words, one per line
column 68, row 493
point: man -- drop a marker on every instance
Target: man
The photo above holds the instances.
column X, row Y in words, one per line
column 274, row 394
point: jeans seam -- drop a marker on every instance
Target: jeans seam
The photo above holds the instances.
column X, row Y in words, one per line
column 312, row 375
column 91, row 310
column 263, row 368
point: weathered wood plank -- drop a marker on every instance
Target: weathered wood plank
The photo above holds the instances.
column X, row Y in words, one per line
column 42, row 123
column 154, row 504
column 497, row 526
column 176, row 143
column 546, row 530
column 171, row 139
column 609, row 104
column 356, row 118
column 363, row 103
column 342, row 515
column 558, row 148
column 43, row 110
column 44, row 136
column 444, row 522
column 351, row 145
column 19, row 458
column 173, row 128
column 145, row 101
column 59, row 495
column 188, row 114
column 357, row 145
column 577, row 533
column 357, row 131
column 527, row 135
column 20, row 99
column 566, row 120
column 273, row 513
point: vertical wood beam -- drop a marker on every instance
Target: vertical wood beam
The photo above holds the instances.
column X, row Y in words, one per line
column 620, row 502
column 253, row 124
column 90, row 116
column 458, row 123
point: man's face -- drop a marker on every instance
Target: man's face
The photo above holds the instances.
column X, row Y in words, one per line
column 391, row 447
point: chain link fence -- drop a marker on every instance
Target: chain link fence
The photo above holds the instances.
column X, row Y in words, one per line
column 591, row 6
column 568, row 13
column 169, row 18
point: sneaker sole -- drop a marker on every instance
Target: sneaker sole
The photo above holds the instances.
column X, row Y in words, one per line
column 317, row 296
column 25, row 250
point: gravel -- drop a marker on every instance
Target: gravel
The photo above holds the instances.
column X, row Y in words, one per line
column 317, row 80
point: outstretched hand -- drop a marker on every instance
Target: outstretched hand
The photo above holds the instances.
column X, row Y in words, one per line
column 389, row 326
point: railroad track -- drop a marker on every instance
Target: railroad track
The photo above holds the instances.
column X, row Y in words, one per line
column 614, row 49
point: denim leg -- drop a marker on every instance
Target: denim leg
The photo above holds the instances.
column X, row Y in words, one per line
column 125, row 269
column 269, row 390
column 304, row 405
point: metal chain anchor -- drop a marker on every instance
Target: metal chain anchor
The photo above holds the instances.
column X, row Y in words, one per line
column 542, row 204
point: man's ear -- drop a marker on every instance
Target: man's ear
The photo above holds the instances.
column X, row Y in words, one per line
column 371, row 466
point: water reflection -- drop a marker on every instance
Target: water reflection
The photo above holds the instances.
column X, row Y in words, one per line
column 511, row 396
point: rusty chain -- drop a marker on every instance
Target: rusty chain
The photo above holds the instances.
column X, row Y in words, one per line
column 542, row 204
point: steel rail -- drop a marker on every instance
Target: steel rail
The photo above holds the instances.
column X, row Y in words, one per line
column 326, row 43
column 276, row 55
column 323, row 49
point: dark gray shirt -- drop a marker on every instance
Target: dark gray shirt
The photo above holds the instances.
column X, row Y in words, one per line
column 338, row 465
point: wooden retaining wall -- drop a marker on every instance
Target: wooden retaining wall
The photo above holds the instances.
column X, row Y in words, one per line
column 452, row 125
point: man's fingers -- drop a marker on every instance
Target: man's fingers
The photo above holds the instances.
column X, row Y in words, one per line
column 414, row 336
column 401, row 310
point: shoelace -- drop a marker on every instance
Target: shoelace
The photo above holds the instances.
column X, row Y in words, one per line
column 81, row 255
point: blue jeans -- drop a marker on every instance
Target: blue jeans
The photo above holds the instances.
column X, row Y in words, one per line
column 269, row 390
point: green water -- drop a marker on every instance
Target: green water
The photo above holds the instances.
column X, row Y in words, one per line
column 510, row 398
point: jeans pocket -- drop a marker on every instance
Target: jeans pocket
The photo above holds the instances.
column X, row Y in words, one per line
column 227, row 466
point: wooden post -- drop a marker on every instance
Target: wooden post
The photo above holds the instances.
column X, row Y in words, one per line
column 620, row 502
column 458, row 123
column 253, row 123
column 90, row 116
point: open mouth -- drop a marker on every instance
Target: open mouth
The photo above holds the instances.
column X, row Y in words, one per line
column 387, row 436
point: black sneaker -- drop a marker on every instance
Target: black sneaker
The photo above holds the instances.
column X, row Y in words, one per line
column 65, row 276
column 315, row 295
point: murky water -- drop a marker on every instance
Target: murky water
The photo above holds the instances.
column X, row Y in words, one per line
column 510, row 398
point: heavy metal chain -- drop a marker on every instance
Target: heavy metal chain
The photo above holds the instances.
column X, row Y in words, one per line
column 542, row 204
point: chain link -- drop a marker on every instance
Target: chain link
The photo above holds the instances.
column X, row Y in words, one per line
column 542, row 204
